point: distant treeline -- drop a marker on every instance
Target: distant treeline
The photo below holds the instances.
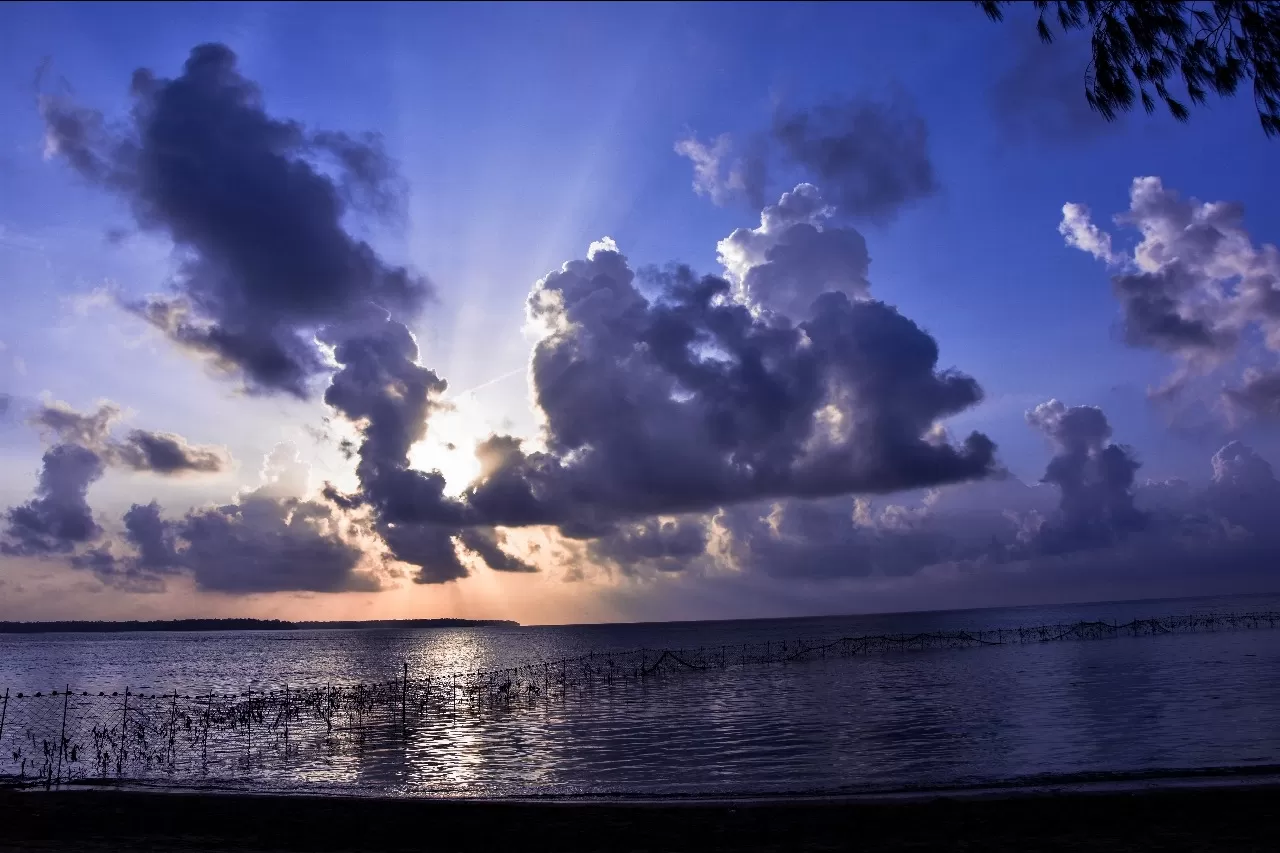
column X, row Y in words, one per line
column 236, row 625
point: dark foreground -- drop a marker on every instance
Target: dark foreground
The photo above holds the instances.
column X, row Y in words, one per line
column 1236, row 818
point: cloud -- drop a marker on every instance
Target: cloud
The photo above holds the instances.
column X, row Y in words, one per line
column 487, row 543
column 870, row 154
column 255, row 219
column 685, row 400
column 795, row 255
column 1258, row 396
column 58, row 518
column 1040, row 96
column 262, row 544
column 652, row 545
column 270, row 539
column 720, row 176
column 1195, row 286
column 162, row 453
column 167, row 453
column 67, row 425
column 1095, row 479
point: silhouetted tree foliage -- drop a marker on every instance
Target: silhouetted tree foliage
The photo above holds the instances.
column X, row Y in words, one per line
column 1138, row 47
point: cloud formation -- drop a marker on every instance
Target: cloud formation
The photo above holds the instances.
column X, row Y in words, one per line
column 1195, row 286
column 686, row 400
column 269, row 539
column 871, row 155
column 1095, row 478
column 162, row 453
column 795, row 255
column 58, row 518
column 1040, row 95
column 256, row 222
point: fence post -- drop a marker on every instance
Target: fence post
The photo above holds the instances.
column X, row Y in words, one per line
column 124, row 734
column 62, row 735
column 248, row 750
column 173, row 729
column 404, row 695
column 204, row 741
column 4, row 709
column 286, row 720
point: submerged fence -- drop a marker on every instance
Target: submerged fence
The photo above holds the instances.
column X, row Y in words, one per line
column 61, row 736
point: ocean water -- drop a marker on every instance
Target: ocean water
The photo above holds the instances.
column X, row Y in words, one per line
column 882, row 721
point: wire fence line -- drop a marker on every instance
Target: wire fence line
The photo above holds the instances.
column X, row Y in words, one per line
column 64, row 736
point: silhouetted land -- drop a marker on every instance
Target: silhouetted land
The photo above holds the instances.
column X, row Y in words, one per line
column 236, row 625
column 1181, row 819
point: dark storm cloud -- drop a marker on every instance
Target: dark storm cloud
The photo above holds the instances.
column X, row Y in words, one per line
column 1094, row 476
column 268, row 540
column 166, row 453
column 487, row 543
column 688, row 401
column 381, row 388
column 141, row 450
column 1153, row 313
column 655, row 544
column 58, row 519
column 265, row 544
column 871, row 156
column 154, row 539
column 265, row 261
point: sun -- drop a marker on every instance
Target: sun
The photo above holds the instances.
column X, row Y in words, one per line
column 450, row 444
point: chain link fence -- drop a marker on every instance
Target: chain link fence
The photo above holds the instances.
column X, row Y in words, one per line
column 66, row 736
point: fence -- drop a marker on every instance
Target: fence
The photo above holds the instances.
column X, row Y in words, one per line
column 61, row 736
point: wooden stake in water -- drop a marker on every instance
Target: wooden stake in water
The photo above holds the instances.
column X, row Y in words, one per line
column 124, row 734
column 62, row 735
column 4, row 709
column 204, row 741
column 404, row 696
column 248, row 749
column 286, row 721
column 173, row 728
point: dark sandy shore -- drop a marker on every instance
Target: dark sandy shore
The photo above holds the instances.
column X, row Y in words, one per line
column 1202, row 819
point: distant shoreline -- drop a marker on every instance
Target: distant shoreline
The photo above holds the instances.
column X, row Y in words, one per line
column 88, row 627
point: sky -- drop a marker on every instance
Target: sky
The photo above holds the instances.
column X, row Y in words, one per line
column 577, row 313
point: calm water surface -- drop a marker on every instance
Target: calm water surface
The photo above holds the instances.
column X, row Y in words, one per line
column 965, row 716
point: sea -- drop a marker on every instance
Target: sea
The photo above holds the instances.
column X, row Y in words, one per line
column 1160, row 706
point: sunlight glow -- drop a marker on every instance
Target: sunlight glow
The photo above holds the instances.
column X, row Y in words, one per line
column 450, row 445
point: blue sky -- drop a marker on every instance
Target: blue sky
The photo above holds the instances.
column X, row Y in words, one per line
column 524, row 132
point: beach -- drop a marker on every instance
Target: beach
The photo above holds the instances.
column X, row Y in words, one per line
column 1235, row 817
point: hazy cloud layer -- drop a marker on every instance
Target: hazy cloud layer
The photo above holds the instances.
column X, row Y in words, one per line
column 1089, row 511
column 1040, row 95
